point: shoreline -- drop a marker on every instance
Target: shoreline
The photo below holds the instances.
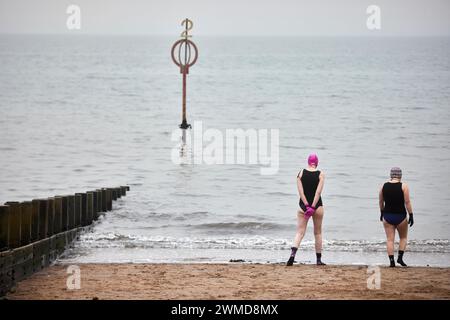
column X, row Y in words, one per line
column 235, row 281
column 85, row 255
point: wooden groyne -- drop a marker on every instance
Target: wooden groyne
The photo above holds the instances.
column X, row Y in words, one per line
column 34, row 233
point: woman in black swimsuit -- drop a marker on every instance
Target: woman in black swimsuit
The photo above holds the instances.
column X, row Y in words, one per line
column 394, row 197
column 309, row 184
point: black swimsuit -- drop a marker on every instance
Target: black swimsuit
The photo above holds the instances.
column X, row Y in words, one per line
column 394, row 203
column 310, row 181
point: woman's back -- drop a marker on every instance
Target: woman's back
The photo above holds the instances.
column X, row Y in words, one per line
column 310, row 181
column 394, row 199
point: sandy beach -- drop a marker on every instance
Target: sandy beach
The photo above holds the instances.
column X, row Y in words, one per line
column 234, row 281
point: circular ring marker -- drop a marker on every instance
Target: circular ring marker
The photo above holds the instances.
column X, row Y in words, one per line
column 187, row 45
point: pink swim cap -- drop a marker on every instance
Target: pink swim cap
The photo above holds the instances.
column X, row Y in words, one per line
column 313, row 159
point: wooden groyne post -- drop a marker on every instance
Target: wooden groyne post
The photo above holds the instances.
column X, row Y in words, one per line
column 34, row 233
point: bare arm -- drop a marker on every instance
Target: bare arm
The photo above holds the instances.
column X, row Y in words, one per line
column 319, row 189
column 381, row 199
column 381, row 203
column 407, row 199
column 300, row 188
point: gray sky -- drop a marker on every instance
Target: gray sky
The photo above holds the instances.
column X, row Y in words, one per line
column 232, row 17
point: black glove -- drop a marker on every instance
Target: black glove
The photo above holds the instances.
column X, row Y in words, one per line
column 411, row 220
column 381, row 215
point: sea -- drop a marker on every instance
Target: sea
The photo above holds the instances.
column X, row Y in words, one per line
column 79, row 112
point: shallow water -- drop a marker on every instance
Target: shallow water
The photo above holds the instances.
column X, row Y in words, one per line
column 84, row 112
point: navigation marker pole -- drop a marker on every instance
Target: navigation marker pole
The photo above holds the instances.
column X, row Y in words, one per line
column 184, row 55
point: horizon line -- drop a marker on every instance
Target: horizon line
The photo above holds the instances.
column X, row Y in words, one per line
column 75, row 33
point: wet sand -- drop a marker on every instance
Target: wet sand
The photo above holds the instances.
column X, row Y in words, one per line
column 234, row 281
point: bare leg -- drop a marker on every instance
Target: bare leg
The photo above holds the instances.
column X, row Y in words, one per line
column 390, row 237
column 402, row 229
column 301, row 228
column 302, row 223
column 317, row 219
